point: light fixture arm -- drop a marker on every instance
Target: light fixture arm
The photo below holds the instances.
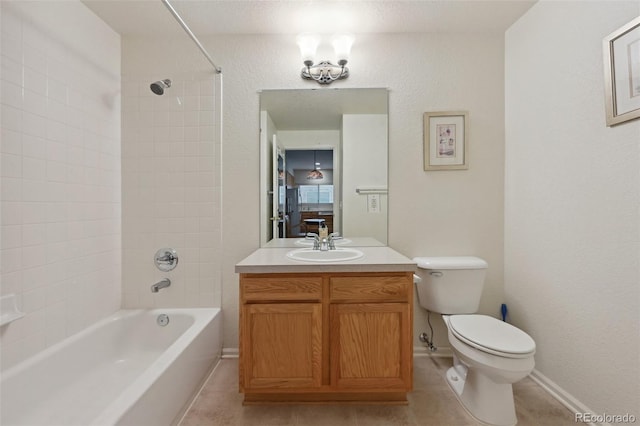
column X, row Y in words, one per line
column 325, row 72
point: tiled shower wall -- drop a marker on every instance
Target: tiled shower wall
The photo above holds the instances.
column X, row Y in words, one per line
column 60, row 188
column 171, row 188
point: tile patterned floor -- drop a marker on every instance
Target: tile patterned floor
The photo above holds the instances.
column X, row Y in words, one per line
column 430, row 403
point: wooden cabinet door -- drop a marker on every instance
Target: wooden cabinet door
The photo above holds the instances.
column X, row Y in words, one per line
column 281, row 345
column 370, row 346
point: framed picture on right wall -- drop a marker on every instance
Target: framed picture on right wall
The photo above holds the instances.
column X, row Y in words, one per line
column 446, row 144
column 622, row 73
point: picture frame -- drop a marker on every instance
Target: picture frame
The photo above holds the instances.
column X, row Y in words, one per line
column 446, row 145
column 622, row 73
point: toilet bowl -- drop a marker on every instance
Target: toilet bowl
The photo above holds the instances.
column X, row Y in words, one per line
column 489, row 355
column 487, row 362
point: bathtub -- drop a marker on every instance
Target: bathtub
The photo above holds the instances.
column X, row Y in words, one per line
column 123, row 370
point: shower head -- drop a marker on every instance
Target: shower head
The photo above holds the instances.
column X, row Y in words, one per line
column 159, row 86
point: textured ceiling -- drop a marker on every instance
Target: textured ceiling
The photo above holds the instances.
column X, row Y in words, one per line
column 150, row 17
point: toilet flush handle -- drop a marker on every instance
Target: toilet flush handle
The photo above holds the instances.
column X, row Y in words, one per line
column 436, row 274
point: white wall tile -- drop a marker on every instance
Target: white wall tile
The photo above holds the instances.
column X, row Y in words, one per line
column 33, row 146
column 34, row 169
column 11, row 236
column 34, row 81
column 11, row 118
column 162, row 193
column 52, row 244
column 11, row 142
column 11, row 94
column 11, row 47
column 11, row 189
column 34, row 234
column 11, row 165
column 11, row 259
column 11, row 71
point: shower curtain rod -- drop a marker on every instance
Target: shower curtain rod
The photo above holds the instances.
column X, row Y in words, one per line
column 193, row 37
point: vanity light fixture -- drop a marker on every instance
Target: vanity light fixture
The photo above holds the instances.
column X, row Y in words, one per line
column 324, row 72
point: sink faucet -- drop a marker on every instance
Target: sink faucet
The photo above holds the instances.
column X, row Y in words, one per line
column 160, row 284
column 323, row 244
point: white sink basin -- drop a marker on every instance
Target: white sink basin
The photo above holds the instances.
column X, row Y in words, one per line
column 337, row 255
column 305, row 242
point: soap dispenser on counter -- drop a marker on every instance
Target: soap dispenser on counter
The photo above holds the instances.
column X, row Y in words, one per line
column 323, row 231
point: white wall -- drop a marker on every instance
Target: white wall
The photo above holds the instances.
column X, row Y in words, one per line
column 268, row 130
column 365, row 165
column 430, row 213
column 171, row 153
column 572, row 231
column 60, row 234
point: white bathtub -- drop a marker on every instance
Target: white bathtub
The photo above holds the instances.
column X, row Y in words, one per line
column 123, row 370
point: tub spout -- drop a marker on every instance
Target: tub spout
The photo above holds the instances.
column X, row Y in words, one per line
column 160, row 284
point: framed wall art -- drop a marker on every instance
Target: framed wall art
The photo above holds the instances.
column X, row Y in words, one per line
column 622, row 73
column 446, row 144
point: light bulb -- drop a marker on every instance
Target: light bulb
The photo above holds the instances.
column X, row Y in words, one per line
column 308, row 44
column 342, row 46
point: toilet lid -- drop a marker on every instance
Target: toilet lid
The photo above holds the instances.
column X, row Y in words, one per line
column 492, row 335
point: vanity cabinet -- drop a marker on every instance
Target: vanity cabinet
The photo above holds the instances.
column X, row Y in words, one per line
column 370, row 335
column 281, row 327
column 332, row 337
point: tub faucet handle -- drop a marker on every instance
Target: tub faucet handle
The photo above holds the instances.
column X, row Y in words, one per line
column 166, row 259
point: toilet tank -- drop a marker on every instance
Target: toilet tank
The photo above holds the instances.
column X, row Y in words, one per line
column 450, row 285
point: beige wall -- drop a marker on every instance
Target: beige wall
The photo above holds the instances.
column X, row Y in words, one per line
column 430, row 213
column 60, row 198
column 572, row 235
column 365, row 165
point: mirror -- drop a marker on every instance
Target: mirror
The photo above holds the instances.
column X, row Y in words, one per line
column 323, row 161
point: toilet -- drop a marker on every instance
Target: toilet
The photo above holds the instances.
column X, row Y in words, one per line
column 489, row 355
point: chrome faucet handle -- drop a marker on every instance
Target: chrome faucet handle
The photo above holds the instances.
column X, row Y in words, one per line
column 315, row 238
column 166, row 259
column 332, row 237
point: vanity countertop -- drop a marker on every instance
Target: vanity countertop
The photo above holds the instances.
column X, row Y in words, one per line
column 275, row 260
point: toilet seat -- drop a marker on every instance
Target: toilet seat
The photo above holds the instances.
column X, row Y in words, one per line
column 491, row 335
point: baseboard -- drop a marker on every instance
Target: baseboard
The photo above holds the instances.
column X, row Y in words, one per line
column 564, row 397
column 421, row 351
column 418, row 351
column 230, row 353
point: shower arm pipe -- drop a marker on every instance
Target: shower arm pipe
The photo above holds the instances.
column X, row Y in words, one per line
column 190, row 34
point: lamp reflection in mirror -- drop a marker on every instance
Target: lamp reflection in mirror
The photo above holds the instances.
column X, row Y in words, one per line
column 315, row 174
column 324, row 72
